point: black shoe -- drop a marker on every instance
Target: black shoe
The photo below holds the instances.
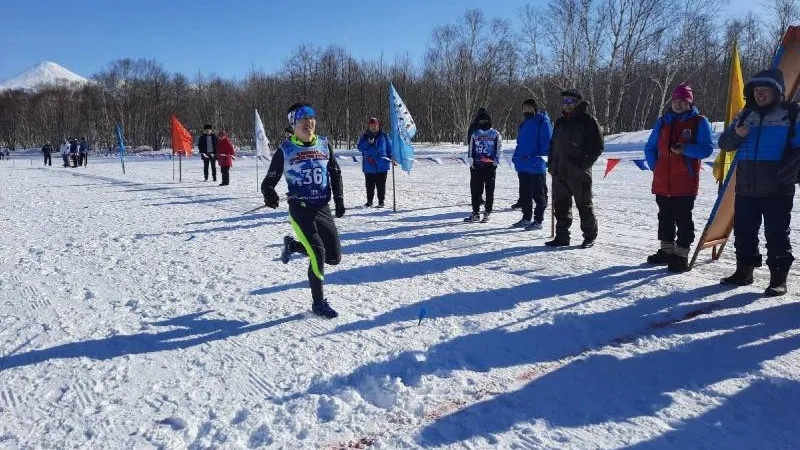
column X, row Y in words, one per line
column 486, row 217
column 286, row 254
column 367, row 205
column 777, row 282
column 323, row 309
column 473, row 218
column 742, row 277
column 380, row 205
column 588, row 243
column 660, row 258
column 516, row 206
column 559, row 241
column 678, row 264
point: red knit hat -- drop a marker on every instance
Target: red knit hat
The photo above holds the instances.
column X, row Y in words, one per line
column 683, row 92
column 374, row 120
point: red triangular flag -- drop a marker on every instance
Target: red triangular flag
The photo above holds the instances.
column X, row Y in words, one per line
column 610, row 166
column 181, row 138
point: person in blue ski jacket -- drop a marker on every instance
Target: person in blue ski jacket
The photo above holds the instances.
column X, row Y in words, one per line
column 376, row 159
column 533, row 142
column 766, row 137
column 485, row 147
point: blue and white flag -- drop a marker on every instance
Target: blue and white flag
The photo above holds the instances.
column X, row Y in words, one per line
column 403, row 130
column 121, row 143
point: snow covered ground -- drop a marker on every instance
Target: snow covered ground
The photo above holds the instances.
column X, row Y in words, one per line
column 138, row 312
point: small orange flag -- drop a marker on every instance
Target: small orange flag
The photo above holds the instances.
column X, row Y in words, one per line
column 181, row 138
column 610, row 166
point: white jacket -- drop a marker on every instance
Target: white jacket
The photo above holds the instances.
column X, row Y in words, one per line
column 65, row 148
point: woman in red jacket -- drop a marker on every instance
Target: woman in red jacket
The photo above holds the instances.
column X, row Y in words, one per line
column 680, row 139
column 225, row 156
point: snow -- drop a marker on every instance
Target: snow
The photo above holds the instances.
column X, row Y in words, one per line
column 139, row 312
column 45, row 73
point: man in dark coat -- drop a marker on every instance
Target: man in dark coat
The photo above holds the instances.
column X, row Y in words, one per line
column 207, row 144
column 46, row 150
column 576, row 145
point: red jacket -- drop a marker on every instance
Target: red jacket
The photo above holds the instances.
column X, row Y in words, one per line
column 673, row 174
column 225, row 152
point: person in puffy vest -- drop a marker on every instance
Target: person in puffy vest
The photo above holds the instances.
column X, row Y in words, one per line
column 533, row 142
column 679, row 141
column 766, row 135
column 225, row 156
column 207, row 145
column 575, row 147
column 376, row 151
column 485, row 146
column 312, row 177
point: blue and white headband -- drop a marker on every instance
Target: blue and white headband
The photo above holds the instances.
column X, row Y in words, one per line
column 300, row 113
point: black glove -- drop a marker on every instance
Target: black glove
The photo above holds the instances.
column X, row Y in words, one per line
column 339, row 207
column 271, row 198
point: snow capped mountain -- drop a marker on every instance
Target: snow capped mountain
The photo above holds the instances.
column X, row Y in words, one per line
column 45, row 73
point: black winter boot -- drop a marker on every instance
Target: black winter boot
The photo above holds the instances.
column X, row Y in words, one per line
column 742, row 277
column 680, row 260
column 323, row 309
column 777, row 282
column 561, row 240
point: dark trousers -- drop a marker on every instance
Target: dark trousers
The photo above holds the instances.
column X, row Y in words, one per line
column 210, row 161
column 482, row 178
column 48, row 160
column 777, row 214
column 318, row 238
column 376, row 180
column 74, row 158
column 676, row 213
column 532, row 189
column 579, row 188
column 65, row 157
column 84, row 159
column 226, row 172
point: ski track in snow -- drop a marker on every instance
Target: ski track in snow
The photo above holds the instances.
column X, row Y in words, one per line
column 138, row 312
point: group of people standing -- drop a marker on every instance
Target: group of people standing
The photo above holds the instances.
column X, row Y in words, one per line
column 74, row 153
column 216, row 148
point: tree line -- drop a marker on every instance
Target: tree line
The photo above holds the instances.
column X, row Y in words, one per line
column 625, row 56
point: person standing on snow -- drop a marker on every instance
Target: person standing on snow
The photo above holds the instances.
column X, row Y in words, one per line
column 65, row 152
column 73, row 151
column 533, row 142
column 83, row 152
column 225, row 156
column 483, row 157
column 576, row 145
column 679, row 140
column 767, row 136
column 376, row 151
column 207, row 145
column 313, row 177
column 471, row 129
column 46, row 150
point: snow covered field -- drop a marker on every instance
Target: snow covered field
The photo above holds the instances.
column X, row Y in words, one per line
column 137, row 312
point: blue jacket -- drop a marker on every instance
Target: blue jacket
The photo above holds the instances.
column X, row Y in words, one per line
column 374, row 154
column 533, row 142
column 701, row 148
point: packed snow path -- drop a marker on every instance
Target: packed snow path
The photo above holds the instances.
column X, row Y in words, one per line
column 137, row 312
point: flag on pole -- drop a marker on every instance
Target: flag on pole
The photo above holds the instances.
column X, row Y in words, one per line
column 735, row 104
column 262, row 143
column 181, row 138
column 612, row 162
column 403, row 130
column 121, row 144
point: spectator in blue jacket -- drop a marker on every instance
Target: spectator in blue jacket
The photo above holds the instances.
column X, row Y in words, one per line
column 376, row 151
column 533, row 142
column 766, row 136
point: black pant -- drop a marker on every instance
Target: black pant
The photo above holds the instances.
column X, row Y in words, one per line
column 777, row 214
column 676, row 212
column 210, row 161
column 74, row 158
column 376, row 180
column 48, row 160
column 319, row 239
column 226, row 171
column 479, row 178
column 564, row 189
column 532, row 189
column 65, row 157
column 84, row 159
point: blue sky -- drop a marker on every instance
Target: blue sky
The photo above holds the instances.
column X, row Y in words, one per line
column 226, row 38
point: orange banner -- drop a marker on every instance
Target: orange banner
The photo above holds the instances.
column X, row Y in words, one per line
column 181, row 138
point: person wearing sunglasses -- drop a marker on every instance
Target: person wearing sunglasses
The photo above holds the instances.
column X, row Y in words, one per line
column 574, row 148
column 312, row 176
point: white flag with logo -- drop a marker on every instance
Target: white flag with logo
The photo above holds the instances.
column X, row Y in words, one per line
column 262, row 143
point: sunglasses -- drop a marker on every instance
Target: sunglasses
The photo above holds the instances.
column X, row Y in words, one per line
column 568, row 100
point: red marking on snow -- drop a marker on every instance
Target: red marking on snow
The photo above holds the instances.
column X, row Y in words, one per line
column 361, row 443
